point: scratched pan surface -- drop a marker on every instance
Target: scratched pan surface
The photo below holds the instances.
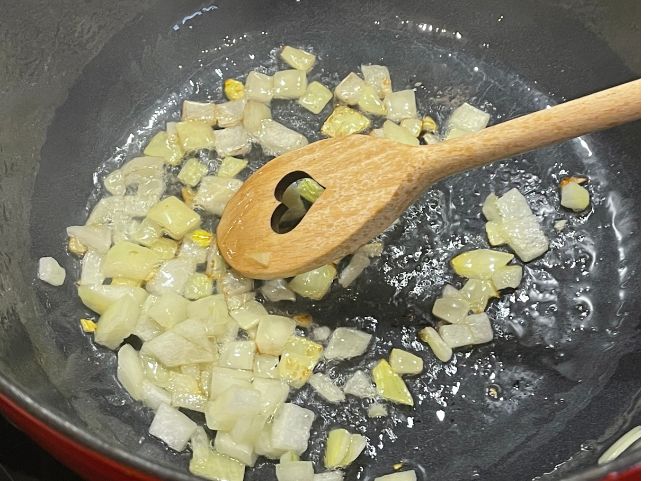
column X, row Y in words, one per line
column 561, row 380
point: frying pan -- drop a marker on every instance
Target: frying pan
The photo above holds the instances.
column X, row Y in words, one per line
column 85, row 83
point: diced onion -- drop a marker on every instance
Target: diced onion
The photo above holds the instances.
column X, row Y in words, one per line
column 295, row 471
column 358, row 443
column 314, row 284
column 389, row 385
column 297, row 58
column 249, row 315
column 507, row 277
column 92, row 236
column 172, row 350
column 451, row 309
column 232, row 141
column 230, row 114
column 162, row 146
column 273, row 333
column 266, row 366
column 201, row 111
column 237, row 355
column 401, row 105
column 349, row 89
column 478, row 293
column 254, row 113
column 168, row 309
column 192, row 172
column 153, row 396
column 259, row 87
column 277, row 290
column 172, row 427
column 274, row 393
column 198, row 286
column 403, row 362
column 117, row 322
column 480, row 263
column 378, row 77
column 326, row 388
column 99, row 297
column 130, row 372
column 480, row 327
column 91, row 269
column 329, row 476
column 50, row 271
column 346, row 343
column 336, row 448
column 298, row 359
column 289, row 84
column 175, row 217
column 231, row 166
column 291, row 428
column 399, row 134
column 439, row 347
column 229, row 406
column 377, row 410
column 276, row 139
column 316, row 97
column 468, row 118
column 224, row 378
column 195, row 135
column 209, row 464
column 370, row 102
column 345, row 121
column 456, row 335
column 242, row 452
column 574, row 196
column 321, row 333
column 360, row 385
column 215, row 192
column 171, row 277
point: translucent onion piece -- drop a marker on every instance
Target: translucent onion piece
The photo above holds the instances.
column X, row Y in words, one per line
column 231, row 166
column 314, row 284
column 224, row 378
column 370, row 101
column 91, row 269
column 233, row 89
column 480, row 328
column 336, row 448
column 172, row 350
column 276, row 139
column 507, row 277
column 215, row 192
column 326, row 388
column 480, row 263
column 50, row 271
column 316, row 97
column 277, row 290
column 399, row 134
column 191, row 401
column 345, row 121
column 295, row 471
column 574, row 196
column 468, row 118
column 291, row 428
column 230, row 114
column 389, row 385
column 99, row 297
column 451, row 309
column 403, row 362
column 201, row 111
column 378, row 77
column 254, row 113
column 451, row 291
column 97, row 238
column 174, row 217
column 248, row 316
column 117, row 322
column 130, row 372
column 266, row 366
column 377, row 410
column 198, row 286
column 247, row 429
column 495, row 234
column 172, row 427
column 297, row 58
column 349, row 89
column 147, row 233
column 273, row 333
column 195, row 135
column 209, row 464
column 358, row 443
column 229, row 406
column 525, row 237
column 360, row 385
column 346, row 343
column 161, row 145
column 456, row 335
column 259, row 87
column 232, row 141
column 192, row 172
column 263, row 445
column 289, row 84
column 439, row 347
column 512, row 204
column 430, row 138
column 299, row 357
column 171, row 277
column 413, row 126
column 401, row 105
column 153, row 396
column 490, row 210
column 321, row 333
column 478, row 293
column 242, row 452
column 237, row 355
column 168, row 309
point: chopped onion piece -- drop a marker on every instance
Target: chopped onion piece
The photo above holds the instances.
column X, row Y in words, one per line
column 377, row 410
column 91, row 269
column 451, row 291
column 167, row 148
column 215, row 192
column 316, row 97
column 147, row 233
column 232, row 141
column 276, row 139
column 224, row 378
column 456, row 335
column 266, row 366
column 50, row 271
column 403, row 362
column 358, row 443
column 326, row 388
column 191, row 401
column 314, row 284
column 273, row 333
column 168, row 309
column 439, row 347
column 507, row 277
column 370, row 102
column 480, row 263
column 345, row 121
column 495, row 234
column 277, row 290
column 192, row 172
column 291, row 427
column 153, row 396
column 336, row 448
column 209, row 464
column 254, row 113
column 574, row 196
column 231, row 166
column 237, row 355
column 349, row 89
column 295, row 471
column 274, row 393
column 232, row 283
column 558, row 225
column 235, row 402
column 233, row 89
column 117, row 322
column 299, row 357
column 329, row 476
column 512, row 204
column 360, row 385
column 130, row 372
column 297, row 58
column 468, row 118
column 430, row 138
column 242, row 452
column 174, row 217
column 126, row 259
column 309, row 189
column 249, row 315
column 194, row 135
column 401, row 105
column 451, row 309
column 347, row 343
column 480, row 328
column 413, row 126
column 621, row 445
column 263, row 445
column 171, row 277
column 198, row 286
column 247, row 429
column 389, row 385
column 201, row 111
column 378, row 77
column 478, row 293
column 259, row 87
column 392, row 131
column 95, row 237
column 289, row 84
column 172, row 427
column 401, row 476
column 99, row 297
column 321, row 333
column 230, row 114
column 490, row 210
column 172, row 349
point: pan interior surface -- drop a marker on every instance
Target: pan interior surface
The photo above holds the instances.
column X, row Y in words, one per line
column 561, row 379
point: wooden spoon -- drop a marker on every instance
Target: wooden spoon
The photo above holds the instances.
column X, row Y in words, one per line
column 370, row 181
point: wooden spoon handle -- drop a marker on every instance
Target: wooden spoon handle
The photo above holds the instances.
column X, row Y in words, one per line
column 598, row 111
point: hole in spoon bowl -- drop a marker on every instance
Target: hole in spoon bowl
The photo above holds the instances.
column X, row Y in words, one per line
column 297, row 192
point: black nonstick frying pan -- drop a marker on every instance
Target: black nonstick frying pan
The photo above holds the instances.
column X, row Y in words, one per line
column 83, row 84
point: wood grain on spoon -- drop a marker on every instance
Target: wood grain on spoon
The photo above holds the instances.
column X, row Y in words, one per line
column 370, row 181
